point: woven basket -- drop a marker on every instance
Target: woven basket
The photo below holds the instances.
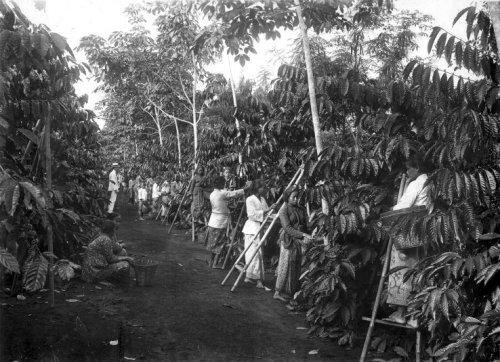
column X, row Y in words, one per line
column 144, row 273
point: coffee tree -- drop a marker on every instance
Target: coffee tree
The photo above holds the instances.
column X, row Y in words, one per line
column 38, row 70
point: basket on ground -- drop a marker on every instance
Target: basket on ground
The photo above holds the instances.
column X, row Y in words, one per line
column 144, row 272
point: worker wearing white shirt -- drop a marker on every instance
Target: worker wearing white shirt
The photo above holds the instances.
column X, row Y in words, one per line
column 113, row 188
column 155, row 193
column 256, row 207
column 131, row 184
column 398, row 291
column 219, row 217
column 142, row 196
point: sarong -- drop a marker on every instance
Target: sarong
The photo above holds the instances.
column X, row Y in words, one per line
column 216, row 239
column 256, row 268
column 398, row 291
column 288, row 270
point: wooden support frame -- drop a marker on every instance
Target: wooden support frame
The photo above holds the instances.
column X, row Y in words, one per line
column 376, row 304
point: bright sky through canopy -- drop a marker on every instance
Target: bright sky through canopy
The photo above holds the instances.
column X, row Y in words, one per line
column 77, row 18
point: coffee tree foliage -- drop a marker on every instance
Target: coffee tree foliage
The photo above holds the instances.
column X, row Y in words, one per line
column 377, row 109
column 37, row 74
column 372, row 126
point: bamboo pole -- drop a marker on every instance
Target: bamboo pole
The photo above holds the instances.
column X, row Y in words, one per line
column 261, row 242
column 48, row 186
column 232, row 237
column 381, row 283
column 180, row 206
column 164, row 219
column 295, row 179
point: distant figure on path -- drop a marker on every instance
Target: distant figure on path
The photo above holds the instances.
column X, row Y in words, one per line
column 142, row 196
column 131, row 186
column 113, row 187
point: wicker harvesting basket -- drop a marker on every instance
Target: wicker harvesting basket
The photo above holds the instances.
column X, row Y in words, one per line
column 144, row 272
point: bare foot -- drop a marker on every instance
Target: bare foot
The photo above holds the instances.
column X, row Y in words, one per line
column 260, row 285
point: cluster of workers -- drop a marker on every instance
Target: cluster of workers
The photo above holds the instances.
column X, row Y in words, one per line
column 106, row 257
column 213, row 199
column 152, row 195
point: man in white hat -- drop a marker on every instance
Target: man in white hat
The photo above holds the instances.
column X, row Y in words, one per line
column 113, row 187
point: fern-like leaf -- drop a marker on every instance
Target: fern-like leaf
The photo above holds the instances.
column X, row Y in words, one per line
column 8, row 261
column 35, row 272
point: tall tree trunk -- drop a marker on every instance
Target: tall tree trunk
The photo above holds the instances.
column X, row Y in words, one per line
column 177, row 133
column 494, row 10
column 312, row 93
column 310, row 79
column 48, row 187
column 195, row 121
column 235, row 105
column 158, row 127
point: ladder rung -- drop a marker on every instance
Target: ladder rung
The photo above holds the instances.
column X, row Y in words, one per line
column 389, row 323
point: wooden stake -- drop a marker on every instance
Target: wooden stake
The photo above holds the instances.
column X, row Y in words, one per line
column 377, row 300
column 180, row 205
column 232, row 237
column 165, row 218
column 295, row 179
column 193, row 231
column 48, row 186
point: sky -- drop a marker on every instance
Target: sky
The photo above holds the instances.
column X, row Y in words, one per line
column 76, row 18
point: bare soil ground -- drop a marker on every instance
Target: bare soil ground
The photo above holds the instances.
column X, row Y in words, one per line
column 185, row 315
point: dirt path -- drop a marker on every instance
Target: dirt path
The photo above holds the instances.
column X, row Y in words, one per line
column 185, row 315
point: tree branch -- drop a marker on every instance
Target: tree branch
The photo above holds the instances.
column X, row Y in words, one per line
column 168, row 114
column 184, row 90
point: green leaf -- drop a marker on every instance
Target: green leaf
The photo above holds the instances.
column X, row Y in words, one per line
column 4, row 123
column 441, row 44
column 426, row 75
column 65, row 271
column 461, row 13
column 449, row 49
column 432, row 38
column 445, row 306
column 59, row 41
column 35, row 272
column 409, row 67
column 30, row 135
column 8, row 261
column 491, row 181
column 459, row 184
column 401, row 352
column 459, row 53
